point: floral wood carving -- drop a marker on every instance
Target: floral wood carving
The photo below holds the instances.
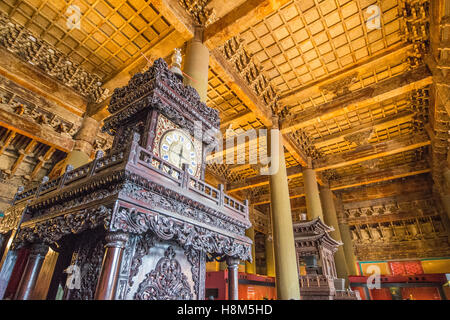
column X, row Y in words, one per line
column 166, row 282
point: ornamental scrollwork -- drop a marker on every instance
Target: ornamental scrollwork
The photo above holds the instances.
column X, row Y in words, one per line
column 50, row 231
column 186, row 234
column 166, row 281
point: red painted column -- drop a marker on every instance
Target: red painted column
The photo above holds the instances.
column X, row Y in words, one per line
column 107, row 283
column 233, row 283
column 31, row 272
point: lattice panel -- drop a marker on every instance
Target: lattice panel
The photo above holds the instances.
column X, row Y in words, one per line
column 306, row 40
column 112, row 33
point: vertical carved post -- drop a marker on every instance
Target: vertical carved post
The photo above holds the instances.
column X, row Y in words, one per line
column 233, row 265
column 107, row 282
column 221, row 194
column 31, row 272
column 134, row 146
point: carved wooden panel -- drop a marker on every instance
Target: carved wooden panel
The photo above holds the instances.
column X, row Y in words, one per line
column 163, row 270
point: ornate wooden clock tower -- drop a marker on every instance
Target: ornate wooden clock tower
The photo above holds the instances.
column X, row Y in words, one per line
column 139, row 222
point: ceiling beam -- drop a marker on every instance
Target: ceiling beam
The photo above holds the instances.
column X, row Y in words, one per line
column 379, row 176
column 392, row 87
column 360, row 154
column 376, row 125
column 387, row 56
column 294, row 193
column 259, row 181
column 357, row 180
column 33, row 79
column 371, row 151
column 236, row 83
column 32, row 130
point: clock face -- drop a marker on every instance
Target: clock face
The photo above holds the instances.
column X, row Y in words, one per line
column 177, row 148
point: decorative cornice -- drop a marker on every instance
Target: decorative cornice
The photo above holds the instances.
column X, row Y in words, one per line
column 187, row 235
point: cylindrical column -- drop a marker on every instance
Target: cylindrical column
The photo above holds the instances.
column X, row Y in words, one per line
column 196, row 64
column 270, row 261
column 284, row 247
column 233, row 279
column 348, row 249
column 330, row 218
column 31, row 272
column 313, row 205
column 346, row 238
column 84, row 143
column 250, row 267
column 107, row 282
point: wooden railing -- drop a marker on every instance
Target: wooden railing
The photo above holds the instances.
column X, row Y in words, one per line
column 145, row 159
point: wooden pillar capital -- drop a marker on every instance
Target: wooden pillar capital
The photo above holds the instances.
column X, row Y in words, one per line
column 31, row 272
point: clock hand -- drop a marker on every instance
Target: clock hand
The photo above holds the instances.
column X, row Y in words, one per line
column 180, row 156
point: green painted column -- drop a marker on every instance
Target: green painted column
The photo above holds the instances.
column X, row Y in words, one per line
column 346, row 237
column 283, row 234
column 330, row 219
column 348, row 249
column 313, row 205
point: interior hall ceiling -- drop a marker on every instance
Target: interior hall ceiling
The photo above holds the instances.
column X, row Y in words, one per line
column 316, row 54
column 111, row 34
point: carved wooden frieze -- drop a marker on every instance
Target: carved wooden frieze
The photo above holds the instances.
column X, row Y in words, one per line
column 138, row 222
column 11, row 217
column 199, row 11
column 87, row 258
column 19, row 40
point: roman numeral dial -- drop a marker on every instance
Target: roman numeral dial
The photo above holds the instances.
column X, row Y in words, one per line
column 176, row 147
